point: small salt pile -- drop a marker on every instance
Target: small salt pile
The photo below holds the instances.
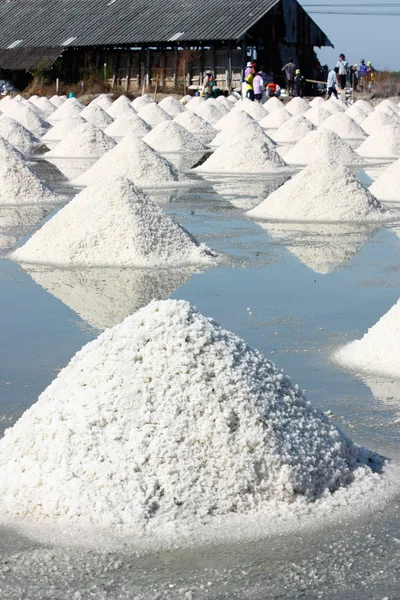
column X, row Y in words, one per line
column 317, row 115
column 153, row 114
column 386, row 109
column 169, row 136
column 97, row 116
column 234, row 119
column 357, row 113
column 28, row 118
column 18, row 184
column 273, row 104
column 317, row 101
column 17, row 135
column 102, row 100
column 62, row 128
column 334, row 107
column 211, row 111
column 324, row 191
column 121, row 107
column 387, row 186
column 364, row 105
column 195, row 102
column 225, row 102
column 241, row 132
column 322, row 144
column 44, row 105
column 344, row 126
column 254, row 109
column 297, row 106
column 57, row 101
column 131, row 125
column 378, row 119
column 84, row 141
column 389, row 104
column 379, row 350
column 246, row 157
column 293, row 130
column 112, row 223
column 140, row 102
column 196, row 125
column 135, row 159
column 275, row 119
column 169, row 420
column 384, row 143
column 69, row 108
column 172, row 106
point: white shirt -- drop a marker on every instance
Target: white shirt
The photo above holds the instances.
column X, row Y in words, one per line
column 332, row 80
column 342, row 66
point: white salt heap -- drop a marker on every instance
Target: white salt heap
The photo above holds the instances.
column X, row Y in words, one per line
column 135, row 159
column 57, row 101
column 96, row 115
column 366, row 107
column 293, row 130
column 317, row 115
column 120, row 108
column 333, row 106
column 211, row 111
column 27, row 117
column 388, row 103
column 196, row 125
column 379, row 350
column 225, row 102
column 322, row 144
column 62, row 128
column 44, row 105
column 171, row 106
column 153, row 114
column 378, row 119
column 275, row 119
column 17, row 135
column 246, row 157
column 234, row 119
column 317, row 101
column 384, row 143
column 344, row 126
column 325, row 192
column 84, row 141
column 112, row 223
column 357, row 113
column 241, row 132
column 132, row 125
column 102, row 100
column 387, row 186
column 140, row 102
column 273, row 104
column 194, row 102
column 297, row 106
column 183, row 423
column 169, row 136
column 69, row 108
column 18, row 184
column 254, row 109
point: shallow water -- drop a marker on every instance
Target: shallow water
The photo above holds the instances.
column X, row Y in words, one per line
column 269, row 290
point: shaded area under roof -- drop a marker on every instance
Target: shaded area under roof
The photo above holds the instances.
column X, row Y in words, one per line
column 28, row 59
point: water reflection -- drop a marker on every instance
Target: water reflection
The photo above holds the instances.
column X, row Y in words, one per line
column 185, row 160
column 386, row 389
column 72, row 168
column 103, row 297
column 320, row 246
column 18, row 221
column 247, row 192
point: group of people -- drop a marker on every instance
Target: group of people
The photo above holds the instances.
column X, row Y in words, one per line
column 359, row 75
column 259, row 83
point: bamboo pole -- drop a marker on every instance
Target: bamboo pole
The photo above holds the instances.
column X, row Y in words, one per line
column 184, row 78
column 155, row 90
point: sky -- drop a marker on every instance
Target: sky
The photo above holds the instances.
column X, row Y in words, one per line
column 373, row 38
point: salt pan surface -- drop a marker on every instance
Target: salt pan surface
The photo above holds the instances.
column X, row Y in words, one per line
column 96, row 115
column 317, row 115
column 344, row 126
column 297, row 106
column 70, row 107
column 112, row 223
column 293, row 130
column 196, row 125
column 169, row 136
column 62, row 128
column 275, row 119
column 27, row 117
column 154, row 114
column 324, row 192
column 378, row 119
column 387, row 186
column 246, row 157
column 322, row 144
column 384, row 143
column 131, row 125
column 83, row 141
column 17, row 135
column 172, row 106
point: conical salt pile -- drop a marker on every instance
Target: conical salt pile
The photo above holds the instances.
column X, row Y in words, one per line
column 317, row 115
column 384, row 143
column 275, row 119
column 102, row 100
column 293, row 130
column 62, row 128
column 225, row 102
column 344, row 126
column 57, row 101
column 378, row 119
column 183, row 423
column 153, row 114
column 45, row 105
column 194, row 102
column 112, row 223
column 325, row 192
column 241, row 132
column 131, row 125
column 169, row 136
column 322, row 144
column 387, row 186
column 211, row 111
column 96, row 115
column 135, row 159
column 333, row 106
column 388, row 103
column 121, row 109
column 196, row 125
column 357, row 113
column 246, row 157
column 366, row 107
column 273, row 104
column 172, row 106
column 234, row 119
column 18, row 135
column 69, row 108
column 140, row 102
column 18, row 184
column 297, row 106
column 317, row 101
column 28, row 118
column 387, row 109
column 254, row 109
column 379, row 350
column 84, row 141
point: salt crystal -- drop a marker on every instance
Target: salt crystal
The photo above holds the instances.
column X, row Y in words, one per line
column 83, row 141
column 388, row 103
column 234, row 119
column 293, row 130
column 384, row 143
column 57, row 101
column 344, row 126
column 120, row 109
column 97, row 116
column 322, row 144
column 102, row 100
column 194, row 102
column 364, row 105
column 18, row 135
column 333, row 107
column 317, row 101
column 246, row 157
column 45, row 105
column 357, row 113
column 317, row 115
column 228, row 104
column 297, row 106
column 171, row 106
column 241, row 132
column 169, row 136
column 153, row 114
column 131, row 125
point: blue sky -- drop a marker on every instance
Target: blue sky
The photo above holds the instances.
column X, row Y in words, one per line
column 374, row 38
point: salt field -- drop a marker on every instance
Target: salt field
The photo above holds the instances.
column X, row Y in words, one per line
column 199, row 366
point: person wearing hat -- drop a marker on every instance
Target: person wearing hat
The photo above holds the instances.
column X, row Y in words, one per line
column 363, row 74
column 248, row 69
column 299, row 83
column 290, row 71
column 249, row 84
column 258, row 86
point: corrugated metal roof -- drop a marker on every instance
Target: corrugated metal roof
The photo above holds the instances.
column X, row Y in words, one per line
column 50, row 23
column 28, row 59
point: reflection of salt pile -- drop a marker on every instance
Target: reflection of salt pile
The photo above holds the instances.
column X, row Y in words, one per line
column 246, row 157
column 385, row 389
column 104, row 297
column 97, row 116
column 324, row 191
column 112, row 223
column 70, row 107
column 344, row 126
column 27, row 117
column 293, row 130
column 387, row 186
column 211, row 111
column 384, row 143
column 169, row 136
column 153, row 114
column 196, row 125
column 273, row 104
column 357, row 113
column 378, row 119
column 254, row 109
column 18, row 135
column 319, row 145
column 317, row 115
column 132, row 125
column 321, row 247
column 172, row 106
column 18, row 221
column 135, row 159
column 83, row 141
column 275, row 119
column 18, row 184
column 378, row 351
column 297, row 106
column 62, row 128
column 183, row 422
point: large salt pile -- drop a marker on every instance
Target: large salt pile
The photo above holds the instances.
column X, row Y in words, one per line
column 357, row 113
column 317, row 115
column 182, row 424
column 153, row 114
column 378, row 119
column 196, row 125
column 241, row 132
column 386, row 109
column 325, row 192
column 70, row 107
column 121, row 107
column 140, row 102
column 234, row 119
column 135, row 159
column 172, row 106
column 275, row 119
column 57, row 101
column 246, row 157
column 102, row 100
column 44, row 105
column 387, row 186
column 211, row 111
column 194, row 102
column 379, row 350
column 344, row 126
column 388, row 103
column 334, row 106
column 18, row 184
column 293, row 130
column 18, row 135
column 384, row 143
column 84, row 141
column 28, row 118
column 273, row 104
column 62, row 128
column 317, row 101
column 169, row 136
column 132, row 125
column 366, row 107
column 254, row 109
column 297, row 106
column 322, row 144
column 96, row 115
column 112, row 223
column 225, row 102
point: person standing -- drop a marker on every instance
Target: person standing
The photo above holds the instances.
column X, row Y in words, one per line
column 258, row 86
column 208, row 82
column 354, row 77
column 290, row 71
column 343, row 67
column 249, row 84
column 370, row 75
column 299, row 83
column 332, row 82
column 363, row 74
column 247, row 70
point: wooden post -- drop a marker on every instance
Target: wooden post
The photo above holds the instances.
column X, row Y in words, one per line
column 114, row 69
column 184, row 77
column 155, row 90
column 228, row 67
column 175, row 71
column 128, row 70
column 201, row 75
column 213, row 64
column 162, row 68
column 147, row 78
column 244, row 61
